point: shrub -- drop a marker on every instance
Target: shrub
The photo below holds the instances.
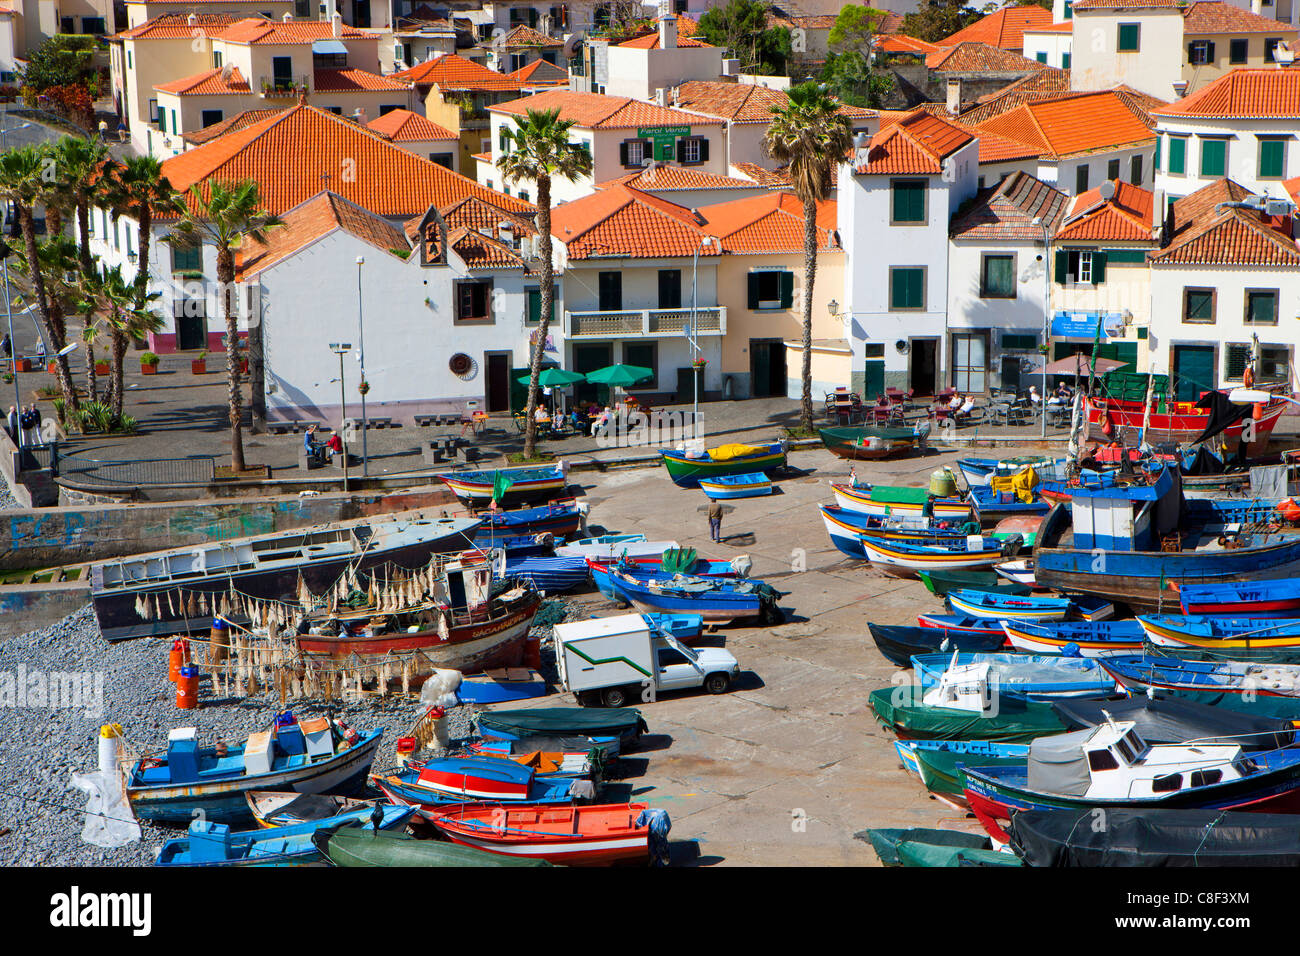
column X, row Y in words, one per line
column 148, row 358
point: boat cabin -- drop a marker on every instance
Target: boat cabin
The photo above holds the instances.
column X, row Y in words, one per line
column 969, row 687
column 1134, row 517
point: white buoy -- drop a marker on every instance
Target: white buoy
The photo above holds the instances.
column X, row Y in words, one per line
column 109, row 820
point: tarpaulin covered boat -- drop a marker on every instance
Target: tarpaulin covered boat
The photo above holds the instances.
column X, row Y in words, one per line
column 885, row 841
column 902, row 711
column 350, row 846
column 559, row 519
column 898, row 643
column 553, row 575
column 1168, row 720
column 624, row 722
column 1032, row 676
column 734, row 459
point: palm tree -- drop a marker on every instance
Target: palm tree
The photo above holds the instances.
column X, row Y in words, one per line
column 23, row 185
column 117, row 302
column 81, row 166
column 57, row 255
column 226, row 216
column 813, row 138
column 140, row 189
column 539, row 149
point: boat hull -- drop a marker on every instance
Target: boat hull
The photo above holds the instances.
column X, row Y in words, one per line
column 687, row 472
column 867, row 443
column 1125, row 420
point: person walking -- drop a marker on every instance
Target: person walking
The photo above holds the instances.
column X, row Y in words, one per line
column 715, row 520
column 30, row 421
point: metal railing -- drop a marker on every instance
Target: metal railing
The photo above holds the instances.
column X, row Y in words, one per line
column 643, row 322
column 133, row 473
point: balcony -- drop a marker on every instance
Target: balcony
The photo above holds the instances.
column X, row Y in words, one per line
column 284, row 88
column 643, row 323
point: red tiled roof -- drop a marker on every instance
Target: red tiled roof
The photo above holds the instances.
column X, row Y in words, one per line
column 597, row 111
column 1203, row 235
column 900, row 43
column 974, row 57
column 1001, row 149
column 1007, row 211
column 771, row 223
column 1126, row 4
column 236, row 122
column 668, row 176
column 257, row 30
column 1243, row 94
column 1215, row 17
column 208, row 83
column 768, row 178
column 310, row 221
column 619, row 221
column 356, row 81
column 327, row 151
column 1065, row 26
column 1003, row 28
column 473, row 231
column 651, row 42
column 1070, row 125
column 917, row 143
column 453, row 72
column 403, row 126
column 743, row 102
column 540, row 73
column 177, row 26
column 525, row 36
column 1126, row 217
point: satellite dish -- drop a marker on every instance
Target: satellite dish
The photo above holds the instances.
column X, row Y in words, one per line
column 901, row 345
column 1107, row 190
column 572, row 43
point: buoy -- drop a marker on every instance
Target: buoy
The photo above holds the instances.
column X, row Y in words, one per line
column 187, row 688
column 1106, row 427
column 177, row 658
column 1257, row 412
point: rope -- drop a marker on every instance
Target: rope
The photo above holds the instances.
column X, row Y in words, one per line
column 61, row 806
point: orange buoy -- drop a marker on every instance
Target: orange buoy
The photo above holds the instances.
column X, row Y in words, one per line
column 533, row 652
column 187, row 688
column 1288, row 509
column 1257, row 413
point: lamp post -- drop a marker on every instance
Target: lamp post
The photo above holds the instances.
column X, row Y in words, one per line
column 365, row 385
column 695, row 335
column 5, row 252
column 5, row 131
column 1047, row 316
column 340, row 349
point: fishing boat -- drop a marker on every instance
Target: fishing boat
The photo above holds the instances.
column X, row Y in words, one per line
column 213, row 844
column 870, row 443
column 180, row 590
column 980, row 472
column 939, row 762
column 917, row 853
column 1112, row 767
column 899, row 644
column 277, row 809
column 993, row 506
column 905, row 558
column 903, row 711
column 1020, row 571
column 717, row 600
column 898, row 501
column 686, row 469
column 470, row 624
column 351, row 846
column 310, row 756
column 1164, row 720
column 552, row 575
column 1085, row 638
column 846, row 529
column 651, row 567
column 940, row 583
column 1265, row 689
column 727, row 487
column 499, row 685
column 962, row 624
column 458, row 780
column 998, row 606
column 1155, row 838
column 1279, row 597
column 1031, row 676
column 597, row 749
column 681, row 627
column 597, row 835
column 520, row 484
column 558, row 519
column 625, row 723
column 1225, row 636
column 611, row 547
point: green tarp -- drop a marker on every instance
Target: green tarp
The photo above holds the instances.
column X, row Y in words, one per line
column 900, row 709
column 564, row 722
column 929, row 855
column 896, row 495
column 885, row 841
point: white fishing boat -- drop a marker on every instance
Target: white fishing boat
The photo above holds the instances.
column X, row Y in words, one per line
column 611, row 546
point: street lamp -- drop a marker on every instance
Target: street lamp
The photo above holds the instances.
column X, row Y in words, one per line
column 695, row 335
column 365, row 385
column 340, row 349
column 5, row 252
column 1047, row 316
column 5, row 131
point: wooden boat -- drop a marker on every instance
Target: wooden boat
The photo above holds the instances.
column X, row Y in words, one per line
column 1019, row 571
column 1024, row 527
column 1279, row 597
column 1164, row 720
column 179, row 591
column 1031, row 676
column 1221, row 635
column 980, row 472
column 734, row 459
column 624, row 723
column 899, row 644
column 886, row 841
column 213, row 844
column 597, row 835
column 1085, row 638
column 272, row 808
column 552, row 575
column 1112, row 767
column 501, row 684
column 939, row 762
column 717, row 600
column 1263, row 689
column 607, row 584
column 525, row 484
column 683, row 627
column 846, row 529
column 187, row 779
column 962, row 624
column 992, row 506
column 598, row 749
column 941, row 582
column 726, row 487
column 998, row 606
column 611, row 547
column 1155, row 838
column 869, row 443
column 558, row 519
column 906, row 558
column 914, row 853
column 898, row 501
column 350, row 846
column 902, row 711
column 458, row 780
column 1114, row 419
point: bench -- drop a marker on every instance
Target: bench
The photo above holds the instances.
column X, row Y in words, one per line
column 293, row 425
column 439, row 450
column 380, row 423
column 308, row 462
column 446, row 419
column 468, row 454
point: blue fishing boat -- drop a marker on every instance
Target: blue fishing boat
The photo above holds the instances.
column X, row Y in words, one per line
column 552, row 575
column 1000, row 606
column 978, row 472
column 1240, row 638
column 1278, row 597
column 904, row 558
column 458, row 780
column 611, row 547
column 520, row 484
column 899, row 643
column 717, row 600
column 726, row 487
column 308, row 756
column 1263, row 689
column 846, row 529
column 963, row 623
column 681, row 627
column 991, row 506
column 502, row 684
column 213, row 844
column 1076, row 638
column 559, row 519
column 648, row 568
column 1029, row 676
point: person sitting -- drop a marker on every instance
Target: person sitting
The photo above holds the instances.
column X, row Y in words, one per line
column 955, row 403
column 966, row 407
column 602, row 420
column 333, row 447
column 540, row 415
column 314, row 449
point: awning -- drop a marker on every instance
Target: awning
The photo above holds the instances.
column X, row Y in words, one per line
column 328, row 46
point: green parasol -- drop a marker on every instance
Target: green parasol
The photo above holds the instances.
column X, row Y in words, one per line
column 620, row 375
column 553, row 378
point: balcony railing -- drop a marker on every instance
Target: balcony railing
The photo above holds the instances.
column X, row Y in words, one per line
column 712, row 320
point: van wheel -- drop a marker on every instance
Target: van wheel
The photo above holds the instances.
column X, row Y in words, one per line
column 717, row 683
column 614, row 696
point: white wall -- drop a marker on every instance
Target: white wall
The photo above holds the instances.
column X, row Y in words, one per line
column 1157, row 65
column 1242, row 159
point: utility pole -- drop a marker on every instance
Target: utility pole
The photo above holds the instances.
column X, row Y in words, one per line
column 340, row 349
column 365, row 385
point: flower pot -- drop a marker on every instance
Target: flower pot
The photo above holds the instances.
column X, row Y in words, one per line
column 52, row 367
column 150, row 369
column 24, row 365
column 199, row 366
column 243, row 367
column 101, row 368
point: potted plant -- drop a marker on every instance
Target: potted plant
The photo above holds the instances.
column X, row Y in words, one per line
column 199, row 366
column 23, row 364
column 102, row 367
column 149, row 363
column 699, row 363
column 52, row 366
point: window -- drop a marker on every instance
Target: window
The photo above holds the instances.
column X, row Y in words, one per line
column 635, row 152
column 1019, row 342
column 1074, row 266
column 128, row 60
column 1177, row 155
column 1200, row 52
column 1069, row 9
column 523, row 194
column 771, row 290
column 534, row 300
column 907, row 201
column 643, row 355
column 1129, row 37
column 388, row 107
column 1135, row 170
column 1237, row 50
column 1155, row 162
column 1261, row 307
column 1270, row 48
column 907, row 288
column 611, row 291
column 216, row 59
column 1167, row 784
column 474, row 301
column 1236, row 356
column 670, row 288
column 1041, row 57
column 67, row 25
column 1198, row 305
column 282, row 72
column 187, row 258
column 998, row 277
column 1206, row 778
column 1274, row 364
column 209, row 117
column 1101, row 760
column 1081, row 178
column 1065, row 61
column 336, row 110
column 692, row 150
column 1272, row 158
column 1112, row 170
column 92, row 25
column 442, row 159
column 969, row 362
column 1214, row 156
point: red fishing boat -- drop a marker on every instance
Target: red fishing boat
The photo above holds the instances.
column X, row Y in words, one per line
column 1110, row 419
column 596, row 835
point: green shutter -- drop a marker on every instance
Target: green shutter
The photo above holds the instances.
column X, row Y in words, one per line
column 753, row 290
column 1214, row 154
column 1065, row 60
column 534, row 306
column 1130, row 256
column 1155, row 163
column 1271, row 153
column 1062, row 265
column 1178, row 154
column 897, row 289
column 787, row 289
column 1128, row 38
column 1098, row 267
column 1041, row 57
column 909, row 202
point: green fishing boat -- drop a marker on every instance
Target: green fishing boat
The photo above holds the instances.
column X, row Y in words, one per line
column 899, row 709
column 938, row 761
column 941, row 582
column 868, row 443
column 734, row 459
column 931, row 855
column 352, row 846
column 886, row 841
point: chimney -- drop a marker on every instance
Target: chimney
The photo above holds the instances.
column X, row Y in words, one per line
column 191, row 20
column 360, row 116
column 661, row 98
column 336, row 22
column 954, row 95
column 287, row 18
column 668, row 31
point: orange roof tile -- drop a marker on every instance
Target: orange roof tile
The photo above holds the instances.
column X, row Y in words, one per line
column 1201, row 234
column 1243, row 94
column 313, row 220
column 1007, row 211
column 463, row 221
column 995, row 148
column 769, row 178
column 1126, row 4
column 597, row 111
column 525, row 36
column 619, row 221
column 177, row 26
column 328, row 151
column 900, row 43
column 771, row 223
column 743, row 102
column 1003, row 28
column 356, row 81
column 257, row 30
column 1125, row 217
column 1065, row 26
column 453, row 72
column 405, row 126
column 208, row 83
column 917, row 143
column 1215, row 17
column 1068, row 126
column 974, row 57
column 540, row 73
column 651, row 42
column 669, row 176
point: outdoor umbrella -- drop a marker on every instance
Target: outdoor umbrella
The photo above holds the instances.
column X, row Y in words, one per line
column 1072, row 363
column 553, row 378
column 620, row 376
